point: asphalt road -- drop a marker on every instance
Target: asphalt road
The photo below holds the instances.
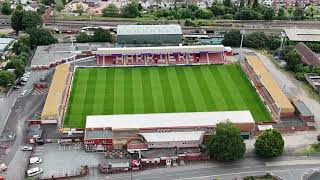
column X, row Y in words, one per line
column 286, row 167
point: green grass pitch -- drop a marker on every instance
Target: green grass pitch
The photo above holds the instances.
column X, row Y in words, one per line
column 138, row 90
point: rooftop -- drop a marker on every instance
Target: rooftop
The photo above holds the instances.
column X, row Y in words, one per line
column 270, row 84
column 56, row 91
column 166, row 120
column 148, row 29
column 161, row 49
column 172, row 136
column 98, row 134
column 303, row 34
column 302, row 108
column 307, row 55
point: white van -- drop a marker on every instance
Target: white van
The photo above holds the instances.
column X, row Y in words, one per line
column 35, row 160
column 34, row 171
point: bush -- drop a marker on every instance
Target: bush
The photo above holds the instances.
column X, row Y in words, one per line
column 110, row 10
column 269, row 144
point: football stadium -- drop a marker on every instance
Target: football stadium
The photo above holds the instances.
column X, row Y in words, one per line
column 166, row 89
column 162, row 80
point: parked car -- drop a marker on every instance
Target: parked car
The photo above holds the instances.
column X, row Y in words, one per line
column 35, row 160
column 26, row 148
column 34, row 171
column 24, row 92
column 40, row 141
column 23, row 79
column 3, row 167
column 16, row 87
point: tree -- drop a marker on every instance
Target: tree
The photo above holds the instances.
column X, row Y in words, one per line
column 131, row 10
column 6, row 78
column 31, row 19
column 311, row 10
column 193, row 7
column 218, row 10
column 256, row 40
column 6, row 8
column 292, row 59
column 241, row 4
column 232, row 38
column 255, row 4
column 16, row 20
column 41, row 8
column 283, row 14
column 84, row 38
column 268, row 14
column 227, row 3
column 40, row 36
column 59, row 5
column 185, row 13
column 226, row 144
column 18, row 65
column 274, row 42
column 102, row 35
column 80, row 9
column 110, row 10
column 269, row 144
column 247, row 14
column 48, row 2
column 203, row 14
column 298, row 14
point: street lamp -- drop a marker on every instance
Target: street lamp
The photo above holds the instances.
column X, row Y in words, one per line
column 242, row 32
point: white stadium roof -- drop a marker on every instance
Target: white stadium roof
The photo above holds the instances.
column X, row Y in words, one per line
column 173, row 136
column 167, row 120
column 161, row 49
column 148, row 29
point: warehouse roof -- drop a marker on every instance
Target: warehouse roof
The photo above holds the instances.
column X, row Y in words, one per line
column 307, row 55
column 302, row 108
column 303, row 34
column 56, row 91
column 166, row 120
column 148, row 29
column 161, row 49
column 173, row 136
column 270, row 84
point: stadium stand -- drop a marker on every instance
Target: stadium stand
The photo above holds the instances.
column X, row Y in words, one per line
column 267, row 85
column 57, row 94
column 171, row 55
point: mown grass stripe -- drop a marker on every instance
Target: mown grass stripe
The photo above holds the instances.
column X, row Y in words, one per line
column 214, row 89
column 170, row 105
column 173, row 74
column 184, row 89
column 223, row 89
column 233, row 90
column 158, row 97
column 147, row 91
column 137, row 91
column 203, row 86
column 118, row 104
column 98, row 96
column 128, row 91
column 109, row 91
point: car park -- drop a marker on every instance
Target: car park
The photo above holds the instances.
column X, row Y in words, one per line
column 26, row 148
column 34, row 171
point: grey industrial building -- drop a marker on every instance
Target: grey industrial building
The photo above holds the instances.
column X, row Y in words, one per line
column 149, row 34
